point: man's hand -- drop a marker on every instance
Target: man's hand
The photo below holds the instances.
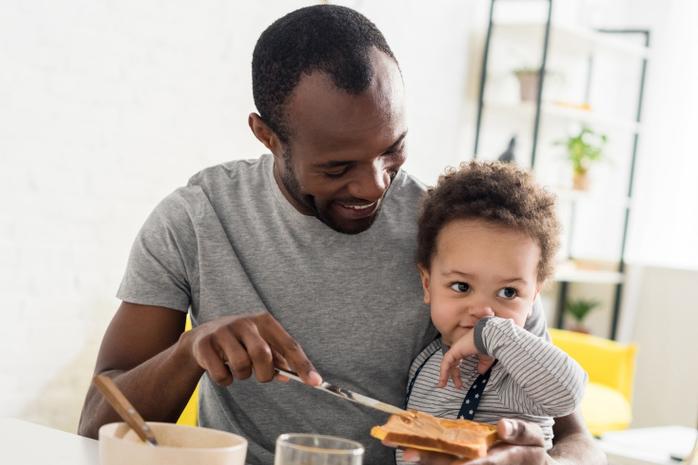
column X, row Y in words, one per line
column 450, row 365
column 236, row 346
column 522, row 444
column 157, row 365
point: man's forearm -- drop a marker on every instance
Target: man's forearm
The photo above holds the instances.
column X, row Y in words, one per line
column 577, row 449
column 159, row 389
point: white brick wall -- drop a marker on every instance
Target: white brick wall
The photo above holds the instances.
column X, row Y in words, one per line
column 105, row 107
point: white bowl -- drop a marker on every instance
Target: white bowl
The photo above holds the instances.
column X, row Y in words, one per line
column 178, row 445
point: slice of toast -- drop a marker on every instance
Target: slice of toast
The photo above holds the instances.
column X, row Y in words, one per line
column 417, row 430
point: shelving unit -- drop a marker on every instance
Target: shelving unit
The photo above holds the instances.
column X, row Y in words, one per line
column 553, row 110
column 569, row 273
column 572, row 40
column 572, row 195
column 585, row 41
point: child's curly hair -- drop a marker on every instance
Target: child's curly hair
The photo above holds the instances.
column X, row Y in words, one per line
column 498, row 193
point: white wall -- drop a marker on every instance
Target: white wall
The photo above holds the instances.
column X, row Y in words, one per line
column 105, row 107
column 664, row 325
column 665, row 222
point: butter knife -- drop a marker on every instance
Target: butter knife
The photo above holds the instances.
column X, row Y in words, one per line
column 347, row 394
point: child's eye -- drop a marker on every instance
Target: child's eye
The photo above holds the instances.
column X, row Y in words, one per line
column 507, row 293
column 461, row 287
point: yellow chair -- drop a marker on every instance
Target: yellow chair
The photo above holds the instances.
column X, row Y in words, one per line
column 606, row 405
column 190, row 412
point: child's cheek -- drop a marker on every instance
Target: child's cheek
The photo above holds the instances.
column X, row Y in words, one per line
column 437, row 317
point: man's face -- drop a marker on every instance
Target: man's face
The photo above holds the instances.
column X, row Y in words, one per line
column 344, row 150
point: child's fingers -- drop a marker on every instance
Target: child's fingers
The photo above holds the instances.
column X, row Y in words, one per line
column 450, row 368
column 455, row 376
column 443, row 378
column 484, row 363
column 445, row 370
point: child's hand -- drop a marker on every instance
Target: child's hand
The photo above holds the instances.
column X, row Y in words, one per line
column 450, row 365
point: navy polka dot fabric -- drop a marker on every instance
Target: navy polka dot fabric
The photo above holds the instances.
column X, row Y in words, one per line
column 472, row 398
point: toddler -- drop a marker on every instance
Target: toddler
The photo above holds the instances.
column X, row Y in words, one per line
column 487, row 239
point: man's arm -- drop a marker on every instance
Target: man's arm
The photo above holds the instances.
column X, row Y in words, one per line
column 157, row 366
column 143, row 353
column 573, row 443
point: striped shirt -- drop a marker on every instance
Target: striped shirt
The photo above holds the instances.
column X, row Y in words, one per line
column 532, row 380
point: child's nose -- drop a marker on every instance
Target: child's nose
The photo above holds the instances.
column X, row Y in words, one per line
column 481, row 310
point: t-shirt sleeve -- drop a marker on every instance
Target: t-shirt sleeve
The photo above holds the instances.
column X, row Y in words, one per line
column 161, row 264
column 535, row 323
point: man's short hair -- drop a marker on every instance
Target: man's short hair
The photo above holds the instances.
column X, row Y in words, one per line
column 328, row 38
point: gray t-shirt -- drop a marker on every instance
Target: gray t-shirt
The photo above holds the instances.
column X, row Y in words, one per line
column 230, row 243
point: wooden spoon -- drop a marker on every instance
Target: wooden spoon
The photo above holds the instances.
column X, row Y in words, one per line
column 123, row 407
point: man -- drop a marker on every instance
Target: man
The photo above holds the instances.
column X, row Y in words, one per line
column 305, row 254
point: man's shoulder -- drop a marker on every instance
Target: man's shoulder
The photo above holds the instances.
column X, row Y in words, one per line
column 224, row 183
column 242, row 170
column 407, row 189
column 410, row 182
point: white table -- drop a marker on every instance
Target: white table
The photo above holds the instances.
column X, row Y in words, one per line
column 24, row 443
column 648, row 446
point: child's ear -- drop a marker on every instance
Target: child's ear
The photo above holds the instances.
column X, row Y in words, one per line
column 424, row 276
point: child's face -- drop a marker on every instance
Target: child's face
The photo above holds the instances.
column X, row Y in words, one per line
column 480, row 270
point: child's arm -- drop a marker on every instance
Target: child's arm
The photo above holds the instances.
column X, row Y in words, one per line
column 542, row 380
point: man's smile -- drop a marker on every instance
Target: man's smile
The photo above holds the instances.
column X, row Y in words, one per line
column 355, row 210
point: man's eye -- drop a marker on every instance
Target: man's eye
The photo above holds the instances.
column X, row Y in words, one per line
column 335, row 174
column 460, row 287
column 396, row 151
column 507, row 293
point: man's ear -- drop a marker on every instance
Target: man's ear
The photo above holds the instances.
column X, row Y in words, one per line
column 424, row 276
column 264, row 134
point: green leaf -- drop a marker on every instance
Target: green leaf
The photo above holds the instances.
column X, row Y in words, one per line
column 580, row 308
column 584, row 148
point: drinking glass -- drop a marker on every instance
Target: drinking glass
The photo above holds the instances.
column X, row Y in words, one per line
column 317, row 449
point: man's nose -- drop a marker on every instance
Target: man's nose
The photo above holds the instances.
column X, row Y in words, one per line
column 371, row 183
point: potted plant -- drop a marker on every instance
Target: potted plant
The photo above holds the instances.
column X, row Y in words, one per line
column 579, row 309
column 583, row 149
column 528, row 83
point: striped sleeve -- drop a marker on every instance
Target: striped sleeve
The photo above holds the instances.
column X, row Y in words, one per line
column 542, row 379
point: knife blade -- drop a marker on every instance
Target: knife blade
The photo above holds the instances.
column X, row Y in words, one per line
column 347, row 394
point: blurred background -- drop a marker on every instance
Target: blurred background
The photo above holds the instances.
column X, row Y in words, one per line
column 106, row 107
